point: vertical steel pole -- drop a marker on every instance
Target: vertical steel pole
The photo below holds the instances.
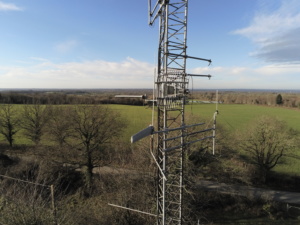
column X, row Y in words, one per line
column 53, row 205
column 165, row 75
column 171, row 87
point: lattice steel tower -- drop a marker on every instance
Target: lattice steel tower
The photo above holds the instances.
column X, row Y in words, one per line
column 171, row 96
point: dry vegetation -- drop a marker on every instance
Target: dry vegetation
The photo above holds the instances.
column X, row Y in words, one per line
column 79, row 150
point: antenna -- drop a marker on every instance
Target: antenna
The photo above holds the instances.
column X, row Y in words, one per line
column 171, row 86
column 217, row 100
column 215, row 122
column 171, row 95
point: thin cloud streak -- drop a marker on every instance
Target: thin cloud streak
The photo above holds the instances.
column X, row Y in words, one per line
column 129, row 73
column 284, row 49
column 132, row 73
column 276, row 34
column 66, row 46
column 266, row 77
column 9, row 7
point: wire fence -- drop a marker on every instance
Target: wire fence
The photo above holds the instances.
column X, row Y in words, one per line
column 36, row 196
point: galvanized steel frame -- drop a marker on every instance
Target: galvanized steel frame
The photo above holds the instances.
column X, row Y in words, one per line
column 171, row 95
column 171, row 86
column 173, row 136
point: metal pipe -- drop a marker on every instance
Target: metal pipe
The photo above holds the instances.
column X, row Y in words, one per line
column 189, row 134
column 134, row 210
column 191, row 57
column 199, row 75
column 178, row 128
column 187, row 143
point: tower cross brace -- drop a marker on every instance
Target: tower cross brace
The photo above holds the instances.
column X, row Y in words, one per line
column 171, row 93
column 171, row 96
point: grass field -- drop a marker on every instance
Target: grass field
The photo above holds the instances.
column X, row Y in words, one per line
column 238, row 116
column 138, row 118
column 231, row 116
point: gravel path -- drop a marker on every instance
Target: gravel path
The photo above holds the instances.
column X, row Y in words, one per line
column 251, row 192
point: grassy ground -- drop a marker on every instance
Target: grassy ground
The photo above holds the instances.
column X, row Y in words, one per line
column 138, row 118
column 237, row 116
column 232, row 116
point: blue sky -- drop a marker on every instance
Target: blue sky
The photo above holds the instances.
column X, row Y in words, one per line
column 108, row 44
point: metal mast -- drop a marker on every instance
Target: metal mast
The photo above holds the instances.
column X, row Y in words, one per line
column 171, row 95
column 173, row 135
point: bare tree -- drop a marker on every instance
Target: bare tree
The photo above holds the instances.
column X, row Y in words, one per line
column 279, row 99
column 59, row 126
column 9, row 122
column 34, row 119
column 94, row 127
column 267, row 140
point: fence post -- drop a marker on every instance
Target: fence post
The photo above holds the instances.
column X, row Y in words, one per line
column 53, row 205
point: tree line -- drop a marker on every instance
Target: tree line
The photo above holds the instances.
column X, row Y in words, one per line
column 86, row 129
column 101, row 97
column 285, row 99
column 65, row 97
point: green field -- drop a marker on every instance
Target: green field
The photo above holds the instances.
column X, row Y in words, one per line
column 138, row 118
column 238, row 116
column 231, row 116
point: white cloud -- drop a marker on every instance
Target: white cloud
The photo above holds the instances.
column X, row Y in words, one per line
column 9, row 7
column 132, row 73
column 266, row 25
column 276, row 33
column 66, row 46
column 265, row 77
column 129, row 73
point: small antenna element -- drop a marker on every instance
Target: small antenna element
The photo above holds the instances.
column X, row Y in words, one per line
column 215, row 122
